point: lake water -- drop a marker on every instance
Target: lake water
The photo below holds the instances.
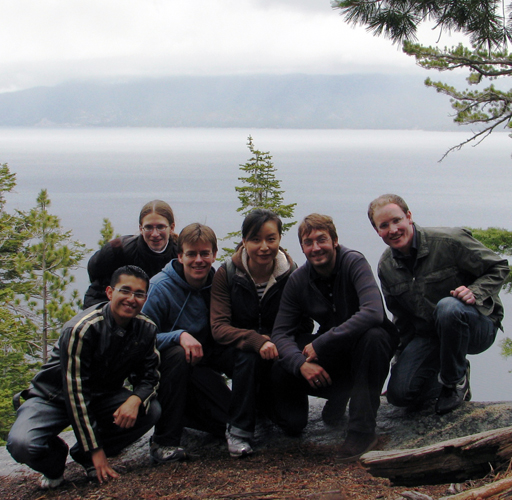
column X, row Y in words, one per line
column 95, row 173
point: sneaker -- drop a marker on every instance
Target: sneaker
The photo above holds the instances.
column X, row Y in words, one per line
column 238, row 447
column 355, row 445
column 333, row 412
column 160, row 454
column 452, row 397
column 45, row 483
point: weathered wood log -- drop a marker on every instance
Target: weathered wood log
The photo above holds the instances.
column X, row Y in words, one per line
column 487, row 491
column 448, row 461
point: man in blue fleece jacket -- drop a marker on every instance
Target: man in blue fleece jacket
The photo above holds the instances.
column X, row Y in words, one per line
column 193, row 392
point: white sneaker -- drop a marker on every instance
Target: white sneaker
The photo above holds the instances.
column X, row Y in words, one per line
column 45, row 483
column 238, row 447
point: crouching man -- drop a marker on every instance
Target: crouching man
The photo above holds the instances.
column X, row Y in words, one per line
column 442, row 287
column 348, row 358
column 83, row 385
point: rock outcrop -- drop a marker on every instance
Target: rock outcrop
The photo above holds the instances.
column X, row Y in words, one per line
column 397, row 428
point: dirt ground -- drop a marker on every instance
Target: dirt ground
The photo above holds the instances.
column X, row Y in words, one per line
column 298, row 472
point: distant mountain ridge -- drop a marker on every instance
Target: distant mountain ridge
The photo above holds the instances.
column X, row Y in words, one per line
column 267, row 101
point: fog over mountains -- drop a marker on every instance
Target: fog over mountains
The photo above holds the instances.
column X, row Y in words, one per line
column 268, row 101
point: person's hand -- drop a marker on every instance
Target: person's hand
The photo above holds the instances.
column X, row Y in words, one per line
column 309, row 352
column 464, row 294
column 269, row 351
column 193, row 348
column 103, row 469
column 126, row 415
column 315, row 375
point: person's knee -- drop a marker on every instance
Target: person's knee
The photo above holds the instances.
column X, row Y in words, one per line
column 173, row 361
column 448, row 308
column 396, row 397
column 23, row 448
column 153, row 413
column 377, row 344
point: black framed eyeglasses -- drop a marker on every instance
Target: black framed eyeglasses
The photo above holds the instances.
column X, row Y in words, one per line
column 128, row 293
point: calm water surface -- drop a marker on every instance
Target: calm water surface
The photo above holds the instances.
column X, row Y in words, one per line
column 95, row 173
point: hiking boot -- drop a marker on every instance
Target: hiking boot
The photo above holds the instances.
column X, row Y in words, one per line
column 355, row 445
column 45, row 483
column 333, row 412
column 452, row 397
column 238, row 447
column 160, row 454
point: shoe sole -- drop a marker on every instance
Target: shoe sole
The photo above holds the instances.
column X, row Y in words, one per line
column 242, row 454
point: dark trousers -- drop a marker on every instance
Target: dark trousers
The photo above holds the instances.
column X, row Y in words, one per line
column 358, row 369
column 198, row 397
column 427, row 361
column 33, row 439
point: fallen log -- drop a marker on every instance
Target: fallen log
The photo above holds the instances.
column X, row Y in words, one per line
column 449, row 461
column 487, row 491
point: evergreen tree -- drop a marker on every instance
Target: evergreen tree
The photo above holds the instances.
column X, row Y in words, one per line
column 46, row 263
column 487, row 23
column 107, row 233
column 261, row 189
column 500, row 241
column 16, row 338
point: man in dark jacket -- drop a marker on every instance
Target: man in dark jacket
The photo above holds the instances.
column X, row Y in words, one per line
column 83, row 385
column 442, row 287
column 192, row 392
column 348, row 357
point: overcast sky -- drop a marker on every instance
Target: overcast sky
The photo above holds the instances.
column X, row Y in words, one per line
column 44, row 42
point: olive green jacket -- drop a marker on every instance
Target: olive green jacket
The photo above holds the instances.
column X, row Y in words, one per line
column 446, row 259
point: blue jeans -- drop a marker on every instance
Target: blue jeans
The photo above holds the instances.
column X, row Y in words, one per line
column 34, row 438
column 428, row 362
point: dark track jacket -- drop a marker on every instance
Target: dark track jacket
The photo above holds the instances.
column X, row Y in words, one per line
column 123, row 251
column 92, row 358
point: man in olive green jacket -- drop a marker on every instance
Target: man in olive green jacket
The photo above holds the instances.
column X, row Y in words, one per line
column 442, row 287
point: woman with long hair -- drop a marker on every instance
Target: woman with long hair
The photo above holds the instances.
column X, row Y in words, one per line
column 246, row 292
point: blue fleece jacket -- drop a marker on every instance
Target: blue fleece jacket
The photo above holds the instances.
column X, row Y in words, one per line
column 177, row 307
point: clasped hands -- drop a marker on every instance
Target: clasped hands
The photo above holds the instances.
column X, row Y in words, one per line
column 316, row 376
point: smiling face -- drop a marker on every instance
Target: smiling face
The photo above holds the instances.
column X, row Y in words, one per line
column 197, row 259
column 320, row 250
column 395, row 227
column 124, row 305
column 156, row 231
column 263, row 246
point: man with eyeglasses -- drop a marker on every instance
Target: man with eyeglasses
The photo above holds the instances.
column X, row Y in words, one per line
column 151, row 249
column 192, row 393
column 348, row 357
column 83, row 385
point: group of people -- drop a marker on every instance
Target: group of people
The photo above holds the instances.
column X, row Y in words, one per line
column 158, row 315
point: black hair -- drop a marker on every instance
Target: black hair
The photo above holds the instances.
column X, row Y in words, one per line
column 254, row 220
column 129, row 271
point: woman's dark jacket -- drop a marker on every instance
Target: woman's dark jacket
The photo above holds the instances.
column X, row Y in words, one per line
column 123, row 251
column 237, row 315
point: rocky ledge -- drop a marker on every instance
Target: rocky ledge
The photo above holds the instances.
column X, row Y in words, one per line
column 397, row 429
